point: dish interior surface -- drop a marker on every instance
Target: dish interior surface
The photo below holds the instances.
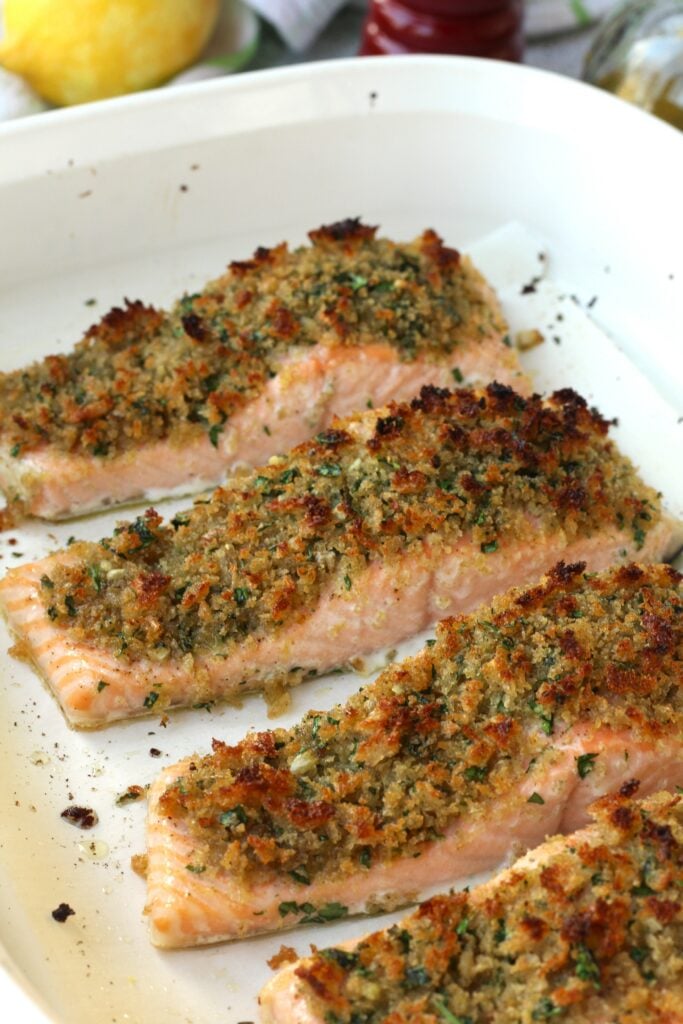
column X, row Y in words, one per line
column 148, row 197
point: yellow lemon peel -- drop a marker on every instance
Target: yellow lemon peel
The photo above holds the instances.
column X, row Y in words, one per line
column 92, row 49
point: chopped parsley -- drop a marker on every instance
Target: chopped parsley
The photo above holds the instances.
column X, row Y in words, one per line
column 585, row 763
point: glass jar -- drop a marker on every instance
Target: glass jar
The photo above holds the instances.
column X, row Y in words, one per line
column 481, row 28
column 638, row 55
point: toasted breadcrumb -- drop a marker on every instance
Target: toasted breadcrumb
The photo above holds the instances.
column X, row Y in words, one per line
column 260, row 553
column 593, row 930
column 285, row 955
column 141, row 374
column 442, row 734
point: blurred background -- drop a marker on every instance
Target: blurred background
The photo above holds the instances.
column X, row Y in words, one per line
column 65, row 52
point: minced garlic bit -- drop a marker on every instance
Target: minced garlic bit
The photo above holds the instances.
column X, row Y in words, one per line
column 591, row 932
column 141, row 375
column 487, row 464
column 444, row 733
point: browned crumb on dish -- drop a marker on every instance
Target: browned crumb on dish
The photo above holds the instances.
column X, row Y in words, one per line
column 131, row 795
column 141, row 374
column 63, row 912
column 285, row 955
column 138, row 863
column 486, row 464
column 12, row 515
column 592, row 931
column 441, row 734
column 526, row 340
column 81, row 817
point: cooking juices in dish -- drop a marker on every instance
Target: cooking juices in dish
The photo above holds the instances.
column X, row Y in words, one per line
column 585, row 928
column 355, row 540
column 499, row 733
column 153, row 402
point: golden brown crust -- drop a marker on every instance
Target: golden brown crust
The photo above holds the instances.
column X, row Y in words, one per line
column 592, row 930
column 445, row 733
column 488, row 465
column 141, row 375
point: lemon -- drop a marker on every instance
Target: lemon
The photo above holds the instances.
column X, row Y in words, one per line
column 73, row 51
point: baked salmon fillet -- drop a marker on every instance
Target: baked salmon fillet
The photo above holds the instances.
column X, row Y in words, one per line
column 501, row 732
column 152, row 403
column 583, row 930
column 354, row 541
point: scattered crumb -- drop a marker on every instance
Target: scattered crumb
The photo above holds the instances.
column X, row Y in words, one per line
column 62, row 912
column 81, row 817
column 285, row 955
column 525, row 340
column 184, row 188
column 592, row 302
column 84, row 195
column 154, row 752
column 530, row 287
column 131, row 795
column 90, row 302
column 138, row 862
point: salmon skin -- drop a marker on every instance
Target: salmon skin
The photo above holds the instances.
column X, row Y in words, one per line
column 356, row 540
column 154, row 403
column 500, row 733
column 584, row 930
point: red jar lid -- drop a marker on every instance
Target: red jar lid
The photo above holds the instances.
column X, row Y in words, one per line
column 485, row 28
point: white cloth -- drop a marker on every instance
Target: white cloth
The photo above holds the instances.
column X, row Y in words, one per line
column 297, row 21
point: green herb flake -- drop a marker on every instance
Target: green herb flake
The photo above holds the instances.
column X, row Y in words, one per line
column 300, row 875
column 131, row 796
column 241, row 595
column 585, row 763
column 329, row 469
column 101, row 685
column 462, row 926
column 489, row 547
column 347, row 961
column 546, row 1009
column 446, row 1015
column 96, row 577
column 547, row 721
column 236, row 815
column 214, row 433
column 46, row 582
column 151, row 699
column 535, row 798
column 457, row 375
column 332, row 911
column 347, row 582
column 416, row 976
column 14, row 450
column 586, row 966
column 196, row 869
